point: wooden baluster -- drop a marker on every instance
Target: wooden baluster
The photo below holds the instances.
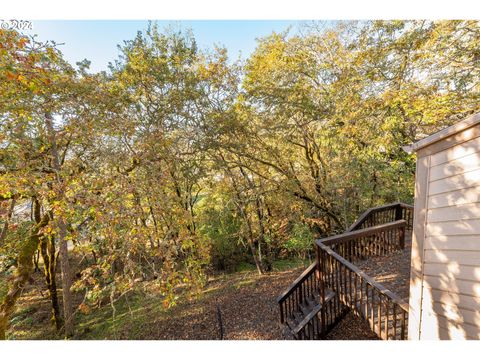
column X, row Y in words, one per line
column 352, row 250
column 379, row 242
column 350, row 283
column 360, row 244
column 337, row 281
column 387, row 310
column 287, row 306
column 301, row 292
column 355, row 294
column 357, row 308
column 389, row 237
column 374, row 244
column 373, row 309
column 392, row 240
column 347, row 280
column 387, row 241
column 310, row 285
column 292, row 304
column 403, row 324
column 352, row 246
column 328, row 272
column 383, row 235
column 281, row 312
column 361, row 296
column 402, row 237
column 395, row 321
column 364, row 247
column 357, row 249
column 322, row 291
column 378, row 245
column 394, row 236
column 384, row 242
column 368, row 249
column 380, row 301
column 296, row 302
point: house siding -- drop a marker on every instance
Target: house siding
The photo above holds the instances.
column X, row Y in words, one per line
column 445, row 283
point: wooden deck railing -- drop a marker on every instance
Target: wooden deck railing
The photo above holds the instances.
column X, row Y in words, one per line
column 325, row 315
column 339, row 284
column 386, row 313
column 384, row 214
column 304, row 286
column 372, row 241
column 304, row 289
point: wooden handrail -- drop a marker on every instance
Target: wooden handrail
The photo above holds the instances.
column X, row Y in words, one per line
column 383, row 231
column 337, row 239
column 336, row 270
column 382, row 289
column 303, row 288
column 305, row 274
column 378, row 209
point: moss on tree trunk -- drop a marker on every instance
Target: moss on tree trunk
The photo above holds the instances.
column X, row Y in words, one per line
column 22, row 274
column 47, row 247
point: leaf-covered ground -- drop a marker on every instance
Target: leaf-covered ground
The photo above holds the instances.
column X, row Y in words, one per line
column 247, row 303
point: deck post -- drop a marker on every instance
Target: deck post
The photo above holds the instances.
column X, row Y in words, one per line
column 398, row 212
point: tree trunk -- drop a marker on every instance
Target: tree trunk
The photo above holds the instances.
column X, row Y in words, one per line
column 256, row 258
column 47, row 249
column 266, row 259
column 251, row 243
column 3, row 233
column 22, row 275
column 66, row 280
column 36, row 259
column 62, row 233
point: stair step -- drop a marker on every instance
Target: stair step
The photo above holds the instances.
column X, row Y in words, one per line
column 306, row 309
column 295, row 319
column 312, row 313
column 287, row 333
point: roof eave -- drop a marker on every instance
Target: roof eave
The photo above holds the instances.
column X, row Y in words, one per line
column 443, row 134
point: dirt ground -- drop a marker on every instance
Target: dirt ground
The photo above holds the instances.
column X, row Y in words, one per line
column 243, row 303
column 246, row 303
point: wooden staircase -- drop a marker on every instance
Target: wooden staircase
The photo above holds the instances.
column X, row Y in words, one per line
column 333, row 285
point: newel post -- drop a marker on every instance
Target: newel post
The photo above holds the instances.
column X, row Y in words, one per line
column 398, row 212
